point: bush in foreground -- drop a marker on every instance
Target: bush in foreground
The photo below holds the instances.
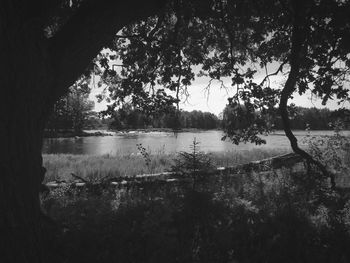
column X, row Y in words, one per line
column 241, row 218
column 246, row 217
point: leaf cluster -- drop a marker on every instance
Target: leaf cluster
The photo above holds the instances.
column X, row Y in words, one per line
column 154, row 61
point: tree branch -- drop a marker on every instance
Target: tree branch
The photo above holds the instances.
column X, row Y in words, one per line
column 267, row 77
column 297, row 49
column 90, row 29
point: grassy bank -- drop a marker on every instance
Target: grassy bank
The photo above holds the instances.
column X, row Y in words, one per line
column 91, row 167
column 268, row 218
column 272, row 217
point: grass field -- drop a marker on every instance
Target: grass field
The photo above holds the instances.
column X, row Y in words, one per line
column 91, row 167
column 252, row 217
column 267, row 217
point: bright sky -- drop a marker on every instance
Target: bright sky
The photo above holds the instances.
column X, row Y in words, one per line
column 217, row 99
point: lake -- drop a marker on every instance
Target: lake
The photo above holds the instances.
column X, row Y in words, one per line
column 164, row 142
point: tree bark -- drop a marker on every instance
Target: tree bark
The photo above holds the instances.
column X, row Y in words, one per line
column 34, row 72
column 25, row 75
column 298, row 49
column 21, row 176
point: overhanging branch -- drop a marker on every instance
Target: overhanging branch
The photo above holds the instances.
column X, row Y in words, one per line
column 297, row 49
column 92, row 27
column 278, row 70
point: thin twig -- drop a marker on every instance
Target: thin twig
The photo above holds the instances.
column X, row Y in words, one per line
column 280, row 69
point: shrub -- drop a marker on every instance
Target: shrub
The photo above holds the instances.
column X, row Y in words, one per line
column 195, row 164
column 248, row 217
column 332, row 151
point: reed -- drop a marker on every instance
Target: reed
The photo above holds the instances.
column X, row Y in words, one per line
column 92, row 167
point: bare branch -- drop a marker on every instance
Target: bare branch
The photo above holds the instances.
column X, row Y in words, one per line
column 267, row 77
column 185, row 93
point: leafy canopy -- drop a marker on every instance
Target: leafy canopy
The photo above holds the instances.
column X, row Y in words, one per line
column 152, row 62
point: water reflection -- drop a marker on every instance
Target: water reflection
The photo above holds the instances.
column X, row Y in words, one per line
column 164, row 142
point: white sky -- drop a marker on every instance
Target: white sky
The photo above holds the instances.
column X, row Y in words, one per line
column 217, row 99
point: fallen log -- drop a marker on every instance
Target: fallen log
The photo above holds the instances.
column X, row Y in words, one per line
column 278, row 162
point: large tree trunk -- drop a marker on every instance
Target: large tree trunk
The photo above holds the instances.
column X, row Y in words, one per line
column 34, row 72
column 25, row 79
column 298, row 50
column 21, row 175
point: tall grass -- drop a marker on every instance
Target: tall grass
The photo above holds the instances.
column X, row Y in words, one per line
column 268, row 217
column 91, row 167
column 94, row 167
column 231, row 158
column 272, row 217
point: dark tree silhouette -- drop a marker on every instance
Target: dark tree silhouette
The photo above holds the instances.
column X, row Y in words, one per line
column 47, row 45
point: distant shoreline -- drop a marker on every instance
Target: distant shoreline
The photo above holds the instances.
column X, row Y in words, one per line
column 90, row 133
column 162, row 130
column 106, row 132
column 71, row 134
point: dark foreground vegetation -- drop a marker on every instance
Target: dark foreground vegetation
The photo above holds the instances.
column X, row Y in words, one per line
column 283, row 215
column 157, row 49
column 236, row 218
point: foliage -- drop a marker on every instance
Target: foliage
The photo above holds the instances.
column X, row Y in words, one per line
column 198, row 119
column 145, row 155
column 74, row 110
column 46, row 45
column 128, row 117
column 300, row 118
column 314, row 118
column 235, row 119
column 194, row 164
column 274, row 217
column 163, row 54
column 332, row 151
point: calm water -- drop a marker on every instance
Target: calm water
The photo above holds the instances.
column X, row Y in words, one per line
column 163, row 142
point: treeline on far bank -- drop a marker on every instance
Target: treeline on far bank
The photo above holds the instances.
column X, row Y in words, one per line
column 128, row 117
column 315, row 119
column 74, row 113
column 301, row 118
